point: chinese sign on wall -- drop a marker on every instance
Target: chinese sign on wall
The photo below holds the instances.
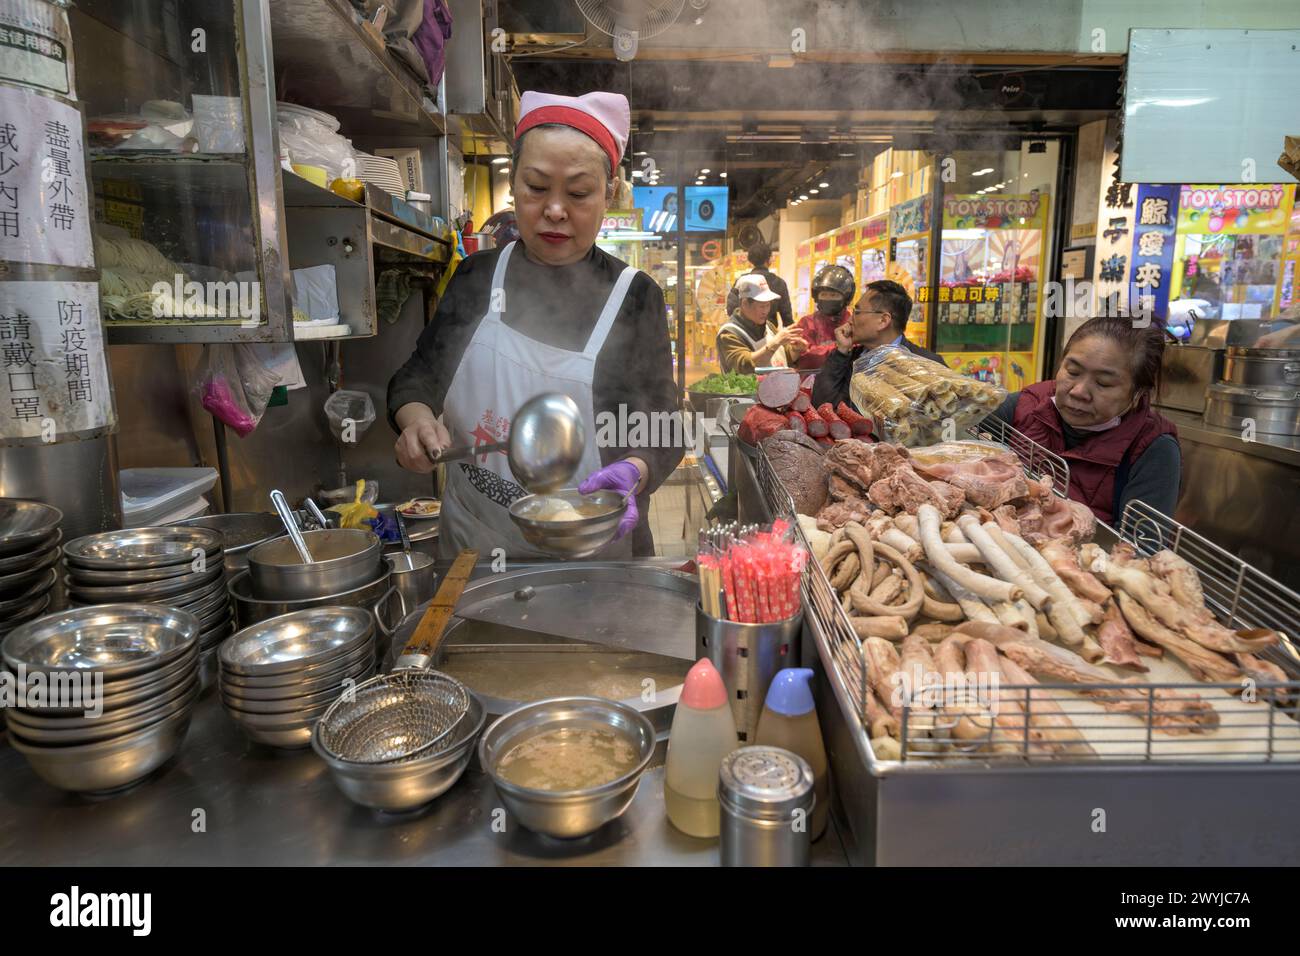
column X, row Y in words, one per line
column 52, row 363
column 44, row 212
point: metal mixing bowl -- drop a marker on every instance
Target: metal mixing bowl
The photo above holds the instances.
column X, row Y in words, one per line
column 342, row 559
column 297, row 640
column 567, row 814
column 26, row 525
column 53, row 732
column 282, row 684
column 109, row 765
column 400, row 787
column 136, row 548
column 570, row 539
column 117, row 640
column 363, row 664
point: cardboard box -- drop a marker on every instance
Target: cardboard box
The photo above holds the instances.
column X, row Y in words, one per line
column 408, row 163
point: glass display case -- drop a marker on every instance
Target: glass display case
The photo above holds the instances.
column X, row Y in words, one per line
column 201, row 232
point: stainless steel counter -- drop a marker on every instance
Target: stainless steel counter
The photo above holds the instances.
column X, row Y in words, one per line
column 1242, row 495
column 267, row 807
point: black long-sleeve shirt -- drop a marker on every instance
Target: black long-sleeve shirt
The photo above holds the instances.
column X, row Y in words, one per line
column 559, row 306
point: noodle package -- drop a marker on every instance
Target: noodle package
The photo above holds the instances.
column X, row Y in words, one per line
column 918, row 401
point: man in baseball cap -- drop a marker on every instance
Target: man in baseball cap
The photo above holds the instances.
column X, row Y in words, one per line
column 745, row 343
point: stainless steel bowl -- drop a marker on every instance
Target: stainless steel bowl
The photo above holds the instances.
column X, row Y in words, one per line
column 110, row 765
column 117, row 640
column 401, row 787
column 335, row 668
column 100, row 729
column 567, row 814
column 42, row 719
column 343, row 558
column 25, row 525
column 570, row 539
column 187, row 585
column 306, row 701
column 116, row 695
column 88, row 577
column 16, row 581
column 240, row 533
column 249, row 609
column 362, row 664
column 138, row 548
column 296, row 640
column 29, row 596
column 23, row 560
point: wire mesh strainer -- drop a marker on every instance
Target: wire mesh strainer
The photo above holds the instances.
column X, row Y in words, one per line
column 394, row 717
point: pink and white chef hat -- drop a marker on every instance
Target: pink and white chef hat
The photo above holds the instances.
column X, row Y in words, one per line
column 605, row 117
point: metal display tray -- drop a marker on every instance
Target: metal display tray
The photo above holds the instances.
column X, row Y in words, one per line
column 1149, row 807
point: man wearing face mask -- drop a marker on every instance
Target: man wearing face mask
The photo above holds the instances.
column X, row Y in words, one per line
column 833, row 290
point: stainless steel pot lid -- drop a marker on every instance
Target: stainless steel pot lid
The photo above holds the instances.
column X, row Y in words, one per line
column 1268, row 394
column 141, row 548
column 25, row 524
column 1241, row 351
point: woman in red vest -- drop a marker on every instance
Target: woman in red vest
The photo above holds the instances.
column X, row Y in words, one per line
column 1097, row 416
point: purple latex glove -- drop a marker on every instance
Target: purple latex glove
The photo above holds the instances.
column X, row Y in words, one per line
column 621, row 476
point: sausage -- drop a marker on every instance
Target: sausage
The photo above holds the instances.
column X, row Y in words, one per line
column 860, row 424
column 838, row 429
column 817, row 426
column 778, row 389
column 802, row 403
column 797, row 424
column 760, row 423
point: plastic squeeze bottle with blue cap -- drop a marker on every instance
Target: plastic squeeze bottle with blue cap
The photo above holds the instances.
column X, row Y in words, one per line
column 704, row 732
column 789, row 720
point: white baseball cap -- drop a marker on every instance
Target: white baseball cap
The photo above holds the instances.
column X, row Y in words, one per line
column 754, row 287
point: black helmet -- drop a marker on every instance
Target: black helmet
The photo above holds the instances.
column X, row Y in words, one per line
column 837, row 279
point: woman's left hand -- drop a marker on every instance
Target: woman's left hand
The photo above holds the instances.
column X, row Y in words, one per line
column 622, row 476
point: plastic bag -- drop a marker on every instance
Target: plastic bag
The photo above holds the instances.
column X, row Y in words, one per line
column 358, row 512
column 235, row 385
column 311, row 143
column 918, row 401
column 349, row 406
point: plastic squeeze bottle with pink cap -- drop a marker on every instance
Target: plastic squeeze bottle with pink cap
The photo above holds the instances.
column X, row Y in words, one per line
column 703, row 733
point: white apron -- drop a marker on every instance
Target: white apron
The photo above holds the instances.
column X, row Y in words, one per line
column 500, row 371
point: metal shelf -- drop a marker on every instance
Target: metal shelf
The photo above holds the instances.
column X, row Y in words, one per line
column 327, row 59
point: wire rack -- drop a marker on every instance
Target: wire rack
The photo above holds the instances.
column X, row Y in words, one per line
column 1146, row 721
column 1037, row 461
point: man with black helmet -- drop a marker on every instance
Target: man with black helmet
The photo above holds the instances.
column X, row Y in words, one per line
column 833, row 290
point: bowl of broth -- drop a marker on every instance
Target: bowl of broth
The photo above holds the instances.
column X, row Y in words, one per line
column 568, row 524
column 568, row 765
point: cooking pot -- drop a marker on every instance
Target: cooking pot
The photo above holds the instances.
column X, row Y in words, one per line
column 344, row 558
column 1273, row 411
column 1277, row 368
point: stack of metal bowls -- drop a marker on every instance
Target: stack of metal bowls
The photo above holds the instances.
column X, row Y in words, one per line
column 180, row 568
column 280, row 675
column 29, row 557
column 104, row 693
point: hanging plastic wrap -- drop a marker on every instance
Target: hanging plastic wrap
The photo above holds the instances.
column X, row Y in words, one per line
column 917, row 401
column 235, row 385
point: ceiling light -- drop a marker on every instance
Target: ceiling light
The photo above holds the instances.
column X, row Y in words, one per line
column 824, row 185
column 636, row 174
column 503, row 169
column 704, row 172
column 498, row 160
column 803, row 196
column 642, row 153
column 983, row 172
column 699, row 21
column 723, row 175
column 897, row 173
column 814, row 191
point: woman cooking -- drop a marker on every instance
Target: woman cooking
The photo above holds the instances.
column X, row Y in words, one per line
column 549, row 313
column 1097, row 416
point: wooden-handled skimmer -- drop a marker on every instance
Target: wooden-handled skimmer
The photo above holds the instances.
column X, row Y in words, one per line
column 421, row 649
